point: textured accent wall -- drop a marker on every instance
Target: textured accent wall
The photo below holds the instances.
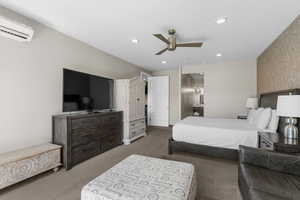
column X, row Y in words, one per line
column 278, row 67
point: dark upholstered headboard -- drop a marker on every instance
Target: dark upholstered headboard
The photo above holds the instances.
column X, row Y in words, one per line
column 269, row 100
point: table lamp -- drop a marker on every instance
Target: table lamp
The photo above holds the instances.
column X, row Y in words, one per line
column 289, row 106
column 252, row 103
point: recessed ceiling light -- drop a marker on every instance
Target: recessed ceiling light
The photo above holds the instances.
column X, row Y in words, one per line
column 135, row 41
column 221, row 20
column 164, row 62
column 219, row 55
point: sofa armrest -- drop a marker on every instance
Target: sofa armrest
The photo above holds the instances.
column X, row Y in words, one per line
column 271, row 160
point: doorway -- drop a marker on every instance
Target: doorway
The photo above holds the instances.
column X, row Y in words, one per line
column 192, row 95
column 145, row 77
column 158, row 101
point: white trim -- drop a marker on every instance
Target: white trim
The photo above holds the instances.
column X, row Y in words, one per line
column 179, row 88
column 129, row 141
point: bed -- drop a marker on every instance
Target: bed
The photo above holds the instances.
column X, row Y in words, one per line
column 226, row 133
column 220, row 137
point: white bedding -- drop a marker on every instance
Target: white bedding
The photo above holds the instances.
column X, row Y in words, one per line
column 218, row 132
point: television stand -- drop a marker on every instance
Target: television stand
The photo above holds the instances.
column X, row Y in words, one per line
column 86, row 135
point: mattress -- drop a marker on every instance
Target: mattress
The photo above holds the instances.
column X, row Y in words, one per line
column 144, row 178
column 217, row 132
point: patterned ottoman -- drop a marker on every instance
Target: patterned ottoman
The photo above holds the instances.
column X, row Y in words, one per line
column 144, row 178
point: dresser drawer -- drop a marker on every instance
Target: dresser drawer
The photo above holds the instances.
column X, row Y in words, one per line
column 137, row 124
column 84, row 152
column 136, row 132
column 89, row 122
column 83, row 136
column 111, row 130
column 111, row 141
column 111, row 119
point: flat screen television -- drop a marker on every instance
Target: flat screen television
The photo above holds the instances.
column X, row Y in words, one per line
column 83, row 91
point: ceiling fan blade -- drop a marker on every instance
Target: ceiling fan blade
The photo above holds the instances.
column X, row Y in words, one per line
column 162, row 38
column 194, row 44
column 162, row 51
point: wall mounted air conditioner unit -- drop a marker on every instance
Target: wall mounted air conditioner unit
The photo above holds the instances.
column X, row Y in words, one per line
column 14, row 30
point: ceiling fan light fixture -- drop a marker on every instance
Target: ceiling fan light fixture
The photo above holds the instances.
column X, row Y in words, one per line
column 171, row 43
column 164, row 62
column 221, row 20
column 219, row 55
column 134, row 41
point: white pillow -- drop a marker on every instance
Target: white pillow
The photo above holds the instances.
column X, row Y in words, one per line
column 273, row 125
column 263, row 118
column 251, row 116
column 254, row 118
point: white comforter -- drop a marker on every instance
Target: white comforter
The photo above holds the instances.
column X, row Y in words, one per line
column 226, row 133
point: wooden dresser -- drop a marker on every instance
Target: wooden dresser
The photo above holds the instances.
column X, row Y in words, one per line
column 86, row 135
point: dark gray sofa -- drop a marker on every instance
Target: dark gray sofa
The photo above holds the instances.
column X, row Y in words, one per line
column 265, row 175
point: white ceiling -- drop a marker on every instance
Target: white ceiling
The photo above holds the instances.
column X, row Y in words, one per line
column 109, row 25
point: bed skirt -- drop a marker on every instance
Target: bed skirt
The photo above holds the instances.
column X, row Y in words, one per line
column 218, row 152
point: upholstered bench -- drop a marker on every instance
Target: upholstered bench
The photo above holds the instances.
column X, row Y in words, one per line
column 140, row 177
column 19, row 165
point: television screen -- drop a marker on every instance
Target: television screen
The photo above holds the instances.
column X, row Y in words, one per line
column 83, row 91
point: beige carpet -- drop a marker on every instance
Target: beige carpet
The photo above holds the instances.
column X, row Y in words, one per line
column 217, row 179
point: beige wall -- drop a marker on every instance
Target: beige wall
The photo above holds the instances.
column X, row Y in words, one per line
column 278, row 68
column 227, row 86
column 31, row 80
column 174, row 82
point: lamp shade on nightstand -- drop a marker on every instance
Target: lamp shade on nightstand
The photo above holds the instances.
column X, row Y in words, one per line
column 252, row 103
column 288, row 106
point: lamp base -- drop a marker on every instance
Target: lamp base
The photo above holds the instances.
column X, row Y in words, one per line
column 290, row 130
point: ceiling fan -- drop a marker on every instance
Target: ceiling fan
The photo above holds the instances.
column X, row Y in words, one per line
column 171, row 42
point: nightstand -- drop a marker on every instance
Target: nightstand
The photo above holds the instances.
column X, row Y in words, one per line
column 242, row 117
column 277, row 142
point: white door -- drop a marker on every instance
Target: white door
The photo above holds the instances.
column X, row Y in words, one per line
column 136, row 99
column 141, row 100
column 158, row 101
column 133, row 99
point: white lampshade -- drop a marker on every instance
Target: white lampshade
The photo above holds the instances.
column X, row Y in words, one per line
column 252, row 103
column 288, row 106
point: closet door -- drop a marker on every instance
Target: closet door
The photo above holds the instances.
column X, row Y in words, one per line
column 136, row 99
column 140, row 106
column 133, row 99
